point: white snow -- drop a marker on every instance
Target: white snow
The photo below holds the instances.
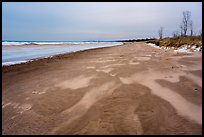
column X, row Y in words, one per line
column 187, row 49
column 197, row 49
column 153, row 45
column 182, row 49
column 193, row 47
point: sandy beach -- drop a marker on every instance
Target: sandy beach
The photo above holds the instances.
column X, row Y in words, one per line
column 129, row 89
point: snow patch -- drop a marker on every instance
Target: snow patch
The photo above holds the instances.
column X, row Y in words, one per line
column 152, row 45
column 187, row 49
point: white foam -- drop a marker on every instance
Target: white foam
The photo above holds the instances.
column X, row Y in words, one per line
column 5, row 43
column 14, row 43
column 38, row 43
column 14, row 62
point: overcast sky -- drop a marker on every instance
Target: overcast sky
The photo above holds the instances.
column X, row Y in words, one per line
column 94, row 21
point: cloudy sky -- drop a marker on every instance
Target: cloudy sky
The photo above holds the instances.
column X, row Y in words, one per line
column 94, row 21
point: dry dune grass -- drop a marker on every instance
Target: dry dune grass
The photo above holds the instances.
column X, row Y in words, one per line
column 178, row 41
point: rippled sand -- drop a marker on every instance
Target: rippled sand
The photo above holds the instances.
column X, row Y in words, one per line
column 130, row 89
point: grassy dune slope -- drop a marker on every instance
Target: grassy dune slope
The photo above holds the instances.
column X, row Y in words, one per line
column 178, row 41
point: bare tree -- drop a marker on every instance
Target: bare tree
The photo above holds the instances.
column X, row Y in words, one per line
column 175, row 34
column 200, row 33
column 181, row 27
column 185, row 22
column 160, row 32
column 191, row 28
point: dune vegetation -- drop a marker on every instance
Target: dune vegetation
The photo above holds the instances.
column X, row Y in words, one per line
column 178, row 41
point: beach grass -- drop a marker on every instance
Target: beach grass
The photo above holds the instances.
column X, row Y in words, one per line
column 178, row 41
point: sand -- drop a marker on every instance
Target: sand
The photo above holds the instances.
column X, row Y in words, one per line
column 129, row 89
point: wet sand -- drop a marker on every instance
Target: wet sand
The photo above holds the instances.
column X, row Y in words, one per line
column 130, row 89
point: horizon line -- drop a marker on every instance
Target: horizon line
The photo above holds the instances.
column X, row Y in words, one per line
column 71, row 40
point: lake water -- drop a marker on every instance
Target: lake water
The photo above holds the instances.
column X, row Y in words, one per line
column 16, row 54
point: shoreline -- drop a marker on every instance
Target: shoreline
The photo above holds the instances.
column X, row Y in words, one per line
column 128, row 89
column 51, row 56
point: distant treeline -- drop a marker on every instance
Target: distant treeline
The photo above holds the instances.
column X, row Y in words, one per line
column 135, row 40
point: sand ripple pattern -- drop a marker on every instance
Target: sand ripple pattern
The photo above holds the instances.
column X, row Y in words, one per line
column 182, row 106
column 94, row 95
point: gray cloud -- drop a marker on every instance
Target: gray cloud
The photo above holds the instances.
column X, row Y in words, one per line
column 94, row 21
